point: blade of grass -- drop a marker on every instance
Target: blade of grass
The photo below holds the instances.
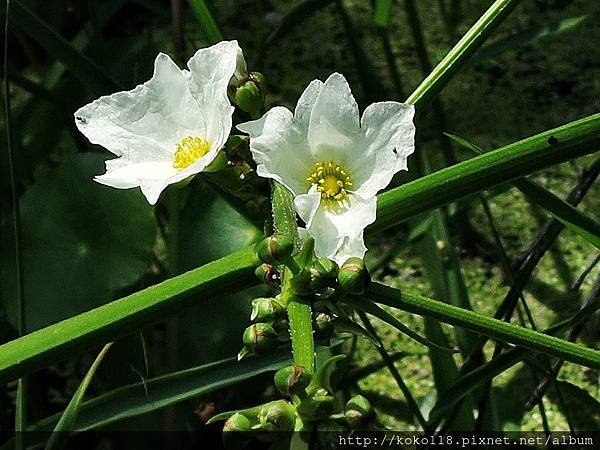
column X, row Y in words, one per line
column 410, row 400
column 207, row 22
column 56, row 342
column 386, row 317
column 80, row 65
column 68, row 418
column 21, row 400
column 488, row 326
column 383, row 12
column 468, row 44
column 481, row 172
column 298, row 14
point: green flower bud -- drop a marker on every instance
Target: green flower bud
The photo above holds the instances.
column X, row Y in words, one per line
column 358, row 411
column 279, row 415
column 353, row 276
column 292, row 380
column 259, row 338
column 237, row 422
column 275, row 249
column 232, row 439
column 250, row 94
column 267, row 273
column 322, row 274
column 266, row 309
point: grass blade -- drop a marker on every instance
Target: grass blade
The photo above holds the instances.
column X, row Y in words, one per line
column 80, row 65
column 495, row 167
column 56, row 342
column 157, row 393
column 572, row 218
column 454, row 60
column 383, row 13
column 69, row 416
column 207, row 22
column 488, row 326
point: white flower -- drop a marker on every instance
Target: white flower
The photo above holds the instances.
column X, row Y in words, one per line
column 333, row 161
column 168, row 128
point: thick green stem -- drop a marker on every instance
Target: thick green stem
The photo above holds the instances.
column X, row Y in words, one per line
column 520, row 158
column 56, row 342
column 488, row 326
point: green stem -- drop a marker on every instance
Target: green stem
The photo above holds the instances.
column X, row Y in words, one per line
column 469, row 43
column 120, row 317
column 520, row 158
column 494, row 328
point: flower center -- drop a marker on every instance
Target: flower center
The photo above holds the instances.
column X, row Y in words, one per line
column 188, row 151
column 331, row 179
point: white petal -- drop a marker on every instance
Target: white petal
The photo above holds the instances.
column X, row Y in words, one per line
column 307, row 205
column 334, row 121
column 389, row 138
column 330, row 226
column 146, row 122
column 210, row 71
column 306, row 103
column 280, row 149
column 152, row 177
column 351, row 246
column 241, row 69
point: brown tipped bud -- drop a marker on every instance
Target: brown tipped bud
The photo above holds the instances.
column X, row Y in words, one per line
column 358, row 411
column 266, row 309
column 279, row 415
column 292, row 380
column 275, row 249
column 259, row 338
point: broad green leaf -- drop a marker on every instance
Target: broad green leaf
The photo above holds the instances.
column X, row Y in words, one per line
column 460, row 53
column 482, row 172
column 81, row 242
column 488, row 326
column 68, row 418
column 568, row 215
column 207, row 22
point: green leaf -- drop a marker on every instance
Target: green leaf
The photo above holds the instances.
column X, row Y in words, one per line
column 69, row 416
column 157, row 393
column 488, row 326
column 82, row 242
column 572, row 218
column 207, row 22
column 56, row 342
column 460, row 53
column 482, row 172
column 80, row 65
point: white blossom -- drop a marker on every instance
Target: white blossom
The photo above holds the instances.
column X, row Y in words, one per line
column 168, row 128
column 332, row 160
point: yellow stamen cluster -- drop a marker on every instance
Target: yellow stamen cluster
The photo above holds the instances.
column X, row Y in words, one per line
column 188, row 151
column 331, row 179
